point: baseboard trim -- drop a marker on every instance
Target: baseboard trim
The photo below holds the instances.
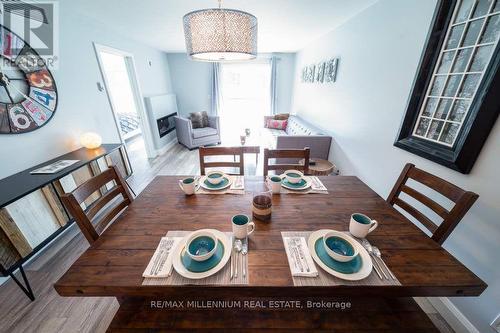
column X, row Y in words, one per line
column 164, row 149
column 453, row 316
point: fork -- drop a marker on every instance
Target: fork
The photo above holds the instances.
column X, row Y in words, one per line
column 298, row 245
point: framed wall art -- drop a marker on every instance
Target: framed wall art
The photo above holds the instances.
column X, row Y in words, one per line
column 331, row 70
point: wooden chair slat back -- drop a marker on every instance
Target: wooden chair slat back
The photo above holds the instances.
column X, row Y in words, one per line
column 89, row 221
column 222, row 151
column 82, row 192
column 462, row 200
column 286, row 153
column 440, row 185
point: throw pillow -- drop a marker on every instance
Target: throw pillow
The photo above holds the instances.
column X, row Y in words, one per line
column 282, row 116
column 199, row 119
column 277, row 124
column 204, row 116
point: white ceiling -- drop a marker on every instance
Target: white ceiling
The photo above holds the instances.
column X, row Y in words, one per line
column 284, row 25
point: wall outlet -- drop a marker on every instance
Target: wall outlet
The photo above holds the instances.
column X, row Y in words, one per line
column 100, row 87
column 495, row 324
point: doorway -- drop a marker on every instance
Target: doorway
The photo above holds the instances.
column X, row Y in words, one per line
column 246, row 97
column 125, row 98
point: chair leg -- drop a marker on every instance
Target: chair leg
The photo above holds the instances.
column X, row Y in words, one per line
column 27, row 290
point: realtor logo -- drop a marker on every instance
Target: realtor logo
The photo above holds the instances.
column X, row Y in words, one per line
column 35, row 22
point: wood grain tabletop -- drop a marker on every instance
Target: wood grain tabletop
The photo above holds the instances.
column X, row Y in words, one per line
column 113, row 265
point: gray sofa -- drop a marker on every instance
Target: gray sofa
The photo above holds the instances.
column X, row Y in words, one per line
column 197, row 137
column 299, row 134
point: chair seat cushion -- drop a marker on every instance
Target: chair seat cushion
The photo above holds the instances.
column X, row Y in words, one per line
column 298, row 126
column 203, row 132
column 268, row 137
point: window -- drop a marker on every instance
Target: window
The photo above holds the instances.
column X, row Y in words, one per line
column 452, row 97
column 463, row 59
column 246, row 97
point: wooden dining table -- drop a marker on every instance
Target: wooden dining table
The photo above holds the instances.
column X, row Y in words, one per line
column 114, row 264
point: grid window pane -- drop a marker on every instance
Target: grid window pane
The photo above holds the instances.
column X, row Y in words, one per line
column 452, row 85
column 462, row 60
column 437, row 86
column 472, row 33
column 449, row 134
column 481, row 58
column 464, row 11
column 435, row 129
column 492, row 30
column 454, row 37
column 482, row 8
column 446, row 60
column 469, row 86
column 443, row 108
column 459, row 110
column 422, row 126
column 430, row 106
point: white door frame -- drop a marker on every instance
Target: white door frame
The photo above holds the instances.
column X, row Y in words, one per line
column 138, row 97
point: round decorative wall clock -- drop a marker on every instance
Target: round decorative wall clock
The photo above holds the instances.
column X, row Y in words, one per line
column 28, row 93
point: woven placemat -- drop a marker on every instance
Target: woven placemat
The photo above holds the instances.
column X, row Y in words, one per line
column 227, row 190
column 222, row 277
column 307, row 191
column 325, row 279
column 320, row 189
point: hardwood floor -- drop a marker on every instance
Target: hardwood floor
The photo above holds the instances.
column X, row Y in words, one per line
column 51, row 313
column 178, row 160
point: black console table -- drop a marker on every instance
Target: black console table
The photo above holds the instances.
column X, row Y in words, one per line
column 23, row 183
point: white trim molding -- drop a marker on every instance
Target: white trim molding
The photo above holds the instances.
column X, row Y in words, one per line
column 169, row 145
column 136, row 89
column 453, row 316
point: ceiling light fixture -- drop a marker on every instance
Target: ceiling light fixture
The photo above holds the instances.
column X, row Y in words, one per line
column 220, row 34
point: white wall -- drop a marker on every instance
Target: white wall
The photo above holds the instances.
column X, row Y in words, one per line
column 379, row 51
column 81, row 106
column 191, row 82
column 285, row 70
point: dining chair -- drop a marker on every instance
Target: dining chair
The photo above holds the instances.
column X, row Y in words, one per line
column 462, row 201
column 286, row 153
column 222, row 151
column 99, row 214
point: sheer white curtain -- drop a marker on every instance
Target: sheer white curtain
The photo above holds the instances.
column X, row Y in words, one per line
column 273, row 97
column 216, row 89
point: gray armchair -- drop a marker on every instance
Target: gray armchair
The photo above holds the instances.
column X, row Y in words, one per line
column 197, row 137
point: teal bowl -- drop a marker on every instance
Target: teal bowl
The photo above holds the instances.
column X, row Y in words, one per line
column 339, row 246
column 201, row 245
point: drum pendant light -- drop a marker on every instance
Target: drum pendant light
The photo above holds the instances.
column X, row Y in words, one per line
column 220, row 34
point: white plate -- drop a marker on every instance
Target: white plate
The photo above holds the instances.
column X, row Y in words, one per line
column 179, row 267
column 202, row 183
column 307, row 185
column 366, row 265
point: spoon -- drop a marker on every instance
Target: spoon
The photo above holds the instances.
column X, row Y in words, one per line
column 244, row 251
column 237, row 246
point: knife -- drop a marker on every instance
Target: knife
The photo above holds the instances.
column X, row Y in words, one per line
column 232, row 257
